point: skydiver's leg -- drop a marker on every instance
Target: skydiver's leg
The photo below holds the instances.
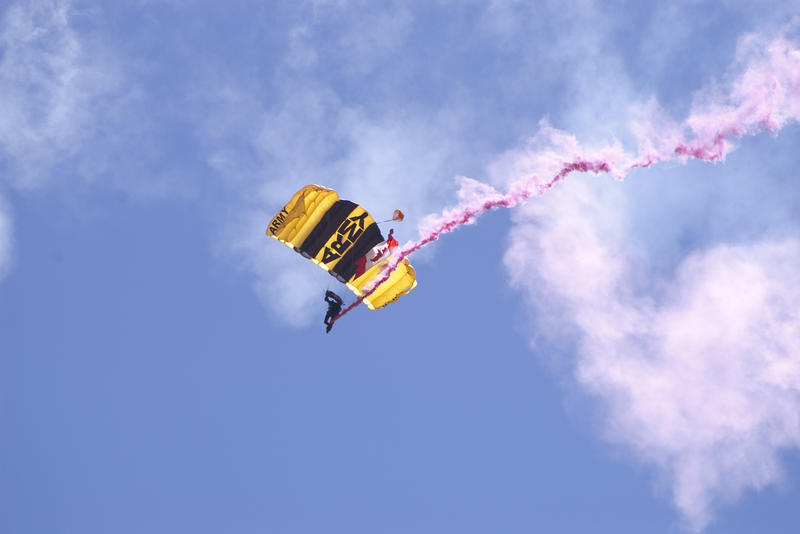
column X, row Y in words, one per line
column 329, row 319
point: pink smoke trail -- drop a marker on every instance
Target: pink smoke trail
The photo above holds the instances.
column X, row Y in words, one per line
column 764, row 98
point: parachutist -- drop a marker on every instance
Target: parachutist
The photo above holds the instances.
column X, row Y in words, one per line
column 334, row 307
column 343, row 239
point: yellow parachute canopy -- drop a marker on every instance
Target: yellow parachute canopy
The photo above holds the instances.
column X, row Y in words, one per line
column 342, row 238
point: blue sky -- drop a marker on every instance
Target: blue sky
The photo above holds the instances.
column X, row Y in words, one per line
column 614, row 356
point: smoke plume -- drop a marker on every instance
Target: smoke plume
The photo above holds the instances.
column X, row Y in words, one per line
column 705, row 382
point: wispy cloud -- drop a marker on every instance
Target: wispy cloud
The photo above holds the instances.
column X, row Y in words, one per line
column 698, row 370
column 314, row 138
column 325, row 123
column 289, row 287
column 50, row 93
column 314, row 131
column 700, row 373
column 49, row 87
column 711, row 406
column 343, row 116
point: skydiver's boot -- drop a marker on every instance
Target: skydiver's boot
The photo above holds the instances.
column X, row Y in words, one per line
column 328, row 329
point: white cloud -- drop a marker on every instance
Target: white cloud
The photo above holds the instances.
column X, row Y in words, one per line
column 285, row 283
column 315, row 129
column 355, row 35
column 395, row 156
column 49, row 87
column 670, row 387
column 395, row 159
column 698, row 371
column 699, row 374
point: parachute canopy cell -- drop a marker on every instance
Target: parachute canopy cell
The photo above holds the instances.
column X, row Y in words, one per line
column 342, row 238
